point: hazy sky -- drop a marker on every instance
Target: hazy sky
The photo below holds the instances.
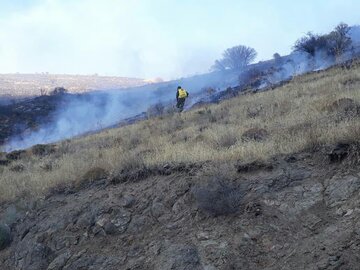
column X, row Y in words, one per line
column 154, row 38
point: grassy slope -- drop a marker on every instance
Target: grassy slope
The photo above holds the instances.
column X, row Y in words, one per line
column 296, row 116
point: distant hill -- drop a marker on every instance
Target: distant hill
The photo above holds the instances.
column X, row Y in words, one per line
column 16, row 85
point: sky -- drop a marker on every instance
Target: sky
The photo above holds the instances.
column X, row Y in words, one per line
column 154, row 38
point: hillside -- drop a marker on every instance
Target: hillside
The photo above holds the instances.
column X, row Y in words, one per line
column 265, row 180
column 25, row 85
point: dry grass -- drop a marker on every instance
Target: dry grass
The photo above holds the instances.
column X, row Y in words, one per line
column 295, row 117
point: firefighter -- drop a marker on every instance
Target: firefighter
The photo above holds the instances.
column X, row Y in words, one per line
column 181, row 95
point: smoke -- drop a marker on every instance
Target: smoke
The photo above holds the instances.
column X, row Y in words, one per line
column 79, row 114
column 355, row 33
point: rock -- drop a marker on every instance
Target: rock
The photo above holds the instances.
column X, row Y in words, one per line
column 253, row 208
column 179, row 257
column 140, row 223
column 311, row 221
column 158, row 209
column 85, row 221
column 115, row 222
column 127, row 201
column 299, row 174
column 5, row 236
column 33, row 256
column 339, row 189
column 252, row 166
column 348, row 212
column 110, row 228
column 83, row 262
column 339, row 153
column 60, row 261
column 203, row 236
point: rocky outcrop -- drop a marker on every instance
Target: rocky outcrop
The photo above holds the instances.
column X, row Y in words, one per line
column 293, row 212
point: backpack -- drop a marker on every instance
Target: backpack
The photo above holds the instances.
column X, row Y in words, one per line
column 182, row 93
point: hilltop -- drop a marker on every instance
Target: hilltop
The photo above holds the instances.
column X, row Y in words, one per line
column 25, row 85
column 266, row 180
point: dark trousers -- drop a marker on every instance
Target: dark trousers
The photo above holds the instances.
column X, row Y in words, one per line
column 180, row 104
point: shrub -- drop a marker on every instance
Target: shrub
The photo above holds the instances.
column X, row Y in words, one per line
column 15, row 155
column 218, row 197
column 251, row 77
column 58, row 91
column 155, row 110
column 277, row 59
column 42, row 149
column 255, row 134
column 17, row 168
column 94, row 174
column 334, row 44
column 226, row 140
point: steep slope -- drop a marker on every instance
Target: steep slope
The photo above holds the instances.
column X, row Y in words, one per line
column 298, row 211
column 262, row 181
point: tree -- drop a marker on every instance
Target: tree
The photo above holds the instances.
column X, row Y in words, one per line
column 339, row 40
column 235, row 58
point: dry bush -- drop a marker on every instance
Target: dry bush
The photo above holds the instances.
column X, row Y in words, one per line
column 94, row 174
column 155, row 110
column 16, row 155
column 42, row 149
column 17, row 168
column 255, row 134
